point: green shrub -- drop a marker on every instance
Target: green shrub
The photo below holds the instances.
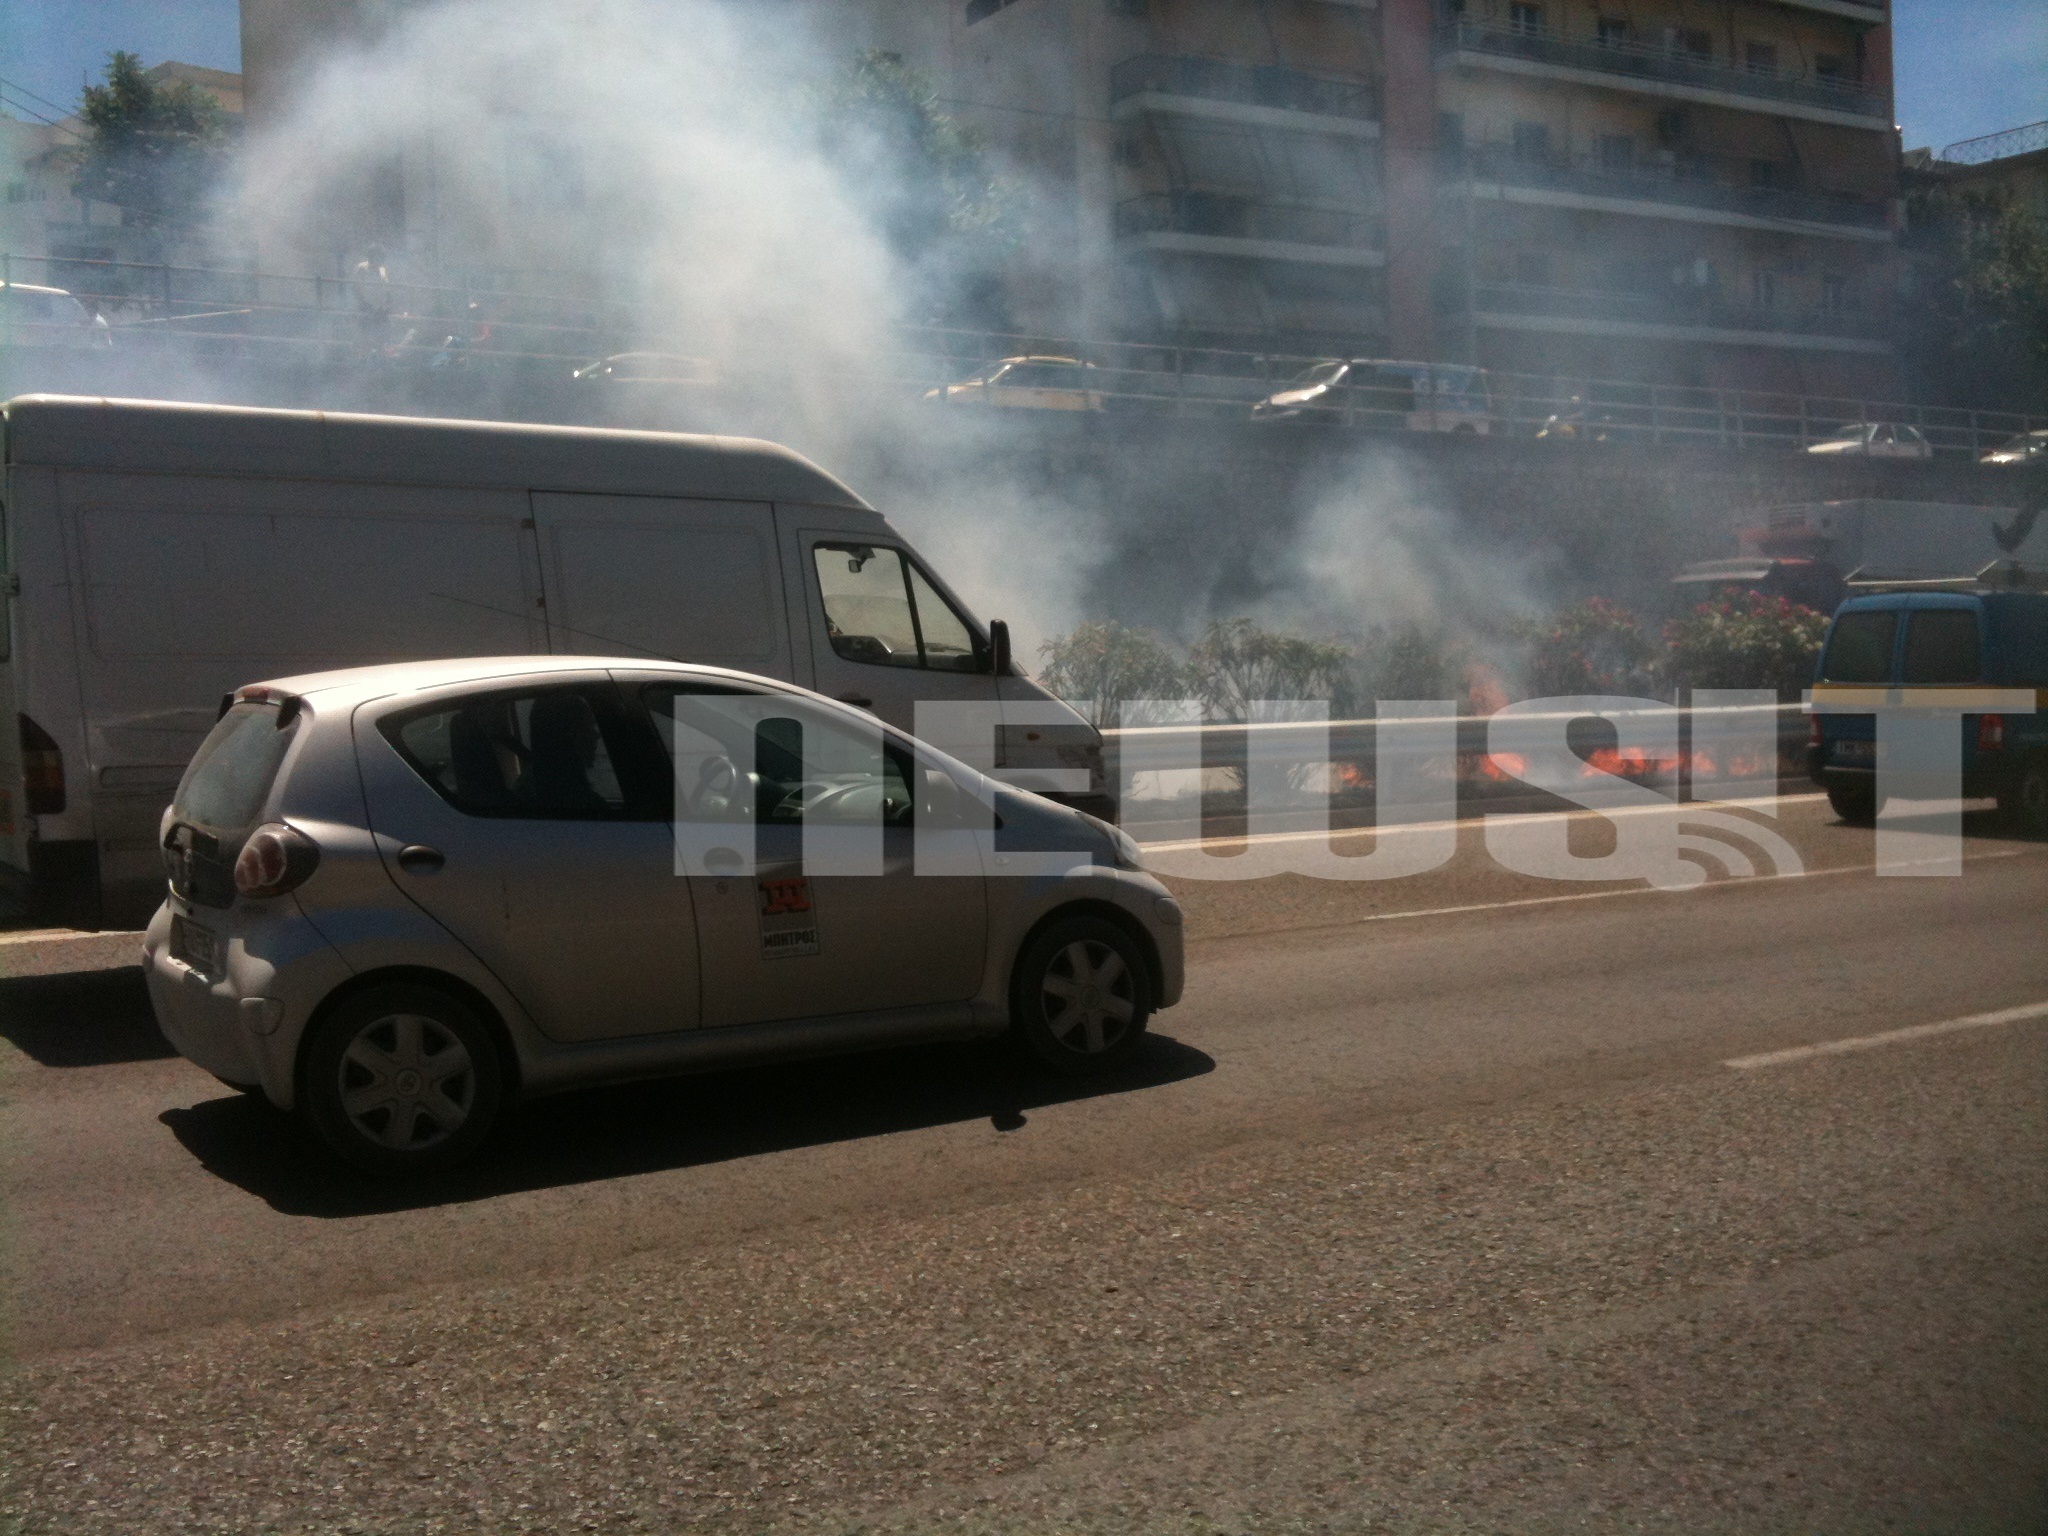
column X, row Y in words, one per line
column 1751, row 641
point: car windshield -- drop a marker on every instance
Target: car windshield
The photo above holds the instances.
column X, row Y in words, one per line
column 1850, row 434
column 1322, row 373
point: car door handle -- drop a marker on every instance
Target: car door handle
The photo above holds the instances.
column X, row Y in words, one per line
column 857, row 700
column 419, row 859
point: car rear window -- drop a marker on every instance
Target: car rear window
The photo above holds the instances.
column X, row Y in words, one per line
column 548, row 754
column 1860, row 648
column 1941, row 646
column 229, row 778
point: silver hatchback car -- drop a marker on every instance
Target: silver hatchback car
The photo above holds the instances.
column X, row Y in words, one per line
column 403, row 896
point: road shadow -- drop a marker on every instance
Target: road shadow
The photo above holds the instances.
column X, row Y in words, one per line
column 609, row 1133
column 82, row 1019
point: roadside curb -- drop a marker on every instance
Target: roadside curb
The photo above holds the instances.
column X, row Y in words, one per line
column 63, row 951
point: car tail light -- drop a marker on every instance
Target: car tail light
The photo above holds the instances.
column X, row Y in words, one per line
column 1813, row 733
column 42, row 770
column 275, row 859
column 1990, row 732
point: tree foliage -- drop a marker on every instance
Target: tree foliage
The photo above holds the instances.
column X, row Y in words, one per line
column 1236, row 664
column 1750, row 641
column 152, row 150
column 926, row 175
column 1412, row 661
column 1107, row 666
column 1592, row 647
column 1974, row 330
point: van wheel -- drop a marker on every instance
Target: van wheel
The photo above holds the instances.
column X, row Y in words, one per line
column 402, row 1079
column 1079, row 997
column 2024, row 800
column 1854, row 804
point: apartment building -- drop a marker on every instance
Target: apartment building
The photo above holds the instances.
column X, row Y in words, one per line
column 1699, row 192
column 1705, row 193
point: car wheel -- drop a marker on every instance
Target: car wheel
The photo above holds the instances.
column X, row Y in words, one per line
column 402, row 1079
column 1080, row 996
column 2024, row 800
column 1855, row 804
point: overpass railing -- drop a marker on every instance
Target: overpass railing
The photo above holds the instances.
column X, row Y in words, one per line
column 354, row 324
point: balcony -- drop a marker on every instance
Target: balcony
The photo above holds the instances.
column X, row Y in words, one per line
column 1660, row 71
column 1261, row 95
column 1871, row 13
column 1683, row 315
column 1496, row 172
column 1213, row 224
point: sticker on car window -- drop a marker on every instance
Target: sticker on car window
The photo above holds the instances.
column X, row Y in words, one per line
column 788, row 926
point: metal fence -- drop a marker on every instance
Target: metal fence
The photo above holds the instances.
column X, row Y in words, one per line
column 355, row 323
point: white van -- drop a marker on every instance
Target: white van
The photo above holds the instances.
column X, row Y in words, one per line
column 157, row 556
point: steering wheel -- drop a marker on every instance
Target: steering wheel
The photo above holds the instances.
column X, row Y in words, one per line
column 716, row 781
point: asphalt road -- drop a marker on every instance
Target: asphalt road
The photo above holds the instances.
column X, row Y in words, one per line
column 1436, row 1207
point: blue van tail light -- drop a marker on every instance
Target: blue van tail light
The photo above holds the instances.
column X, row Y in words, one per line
column 1990, row 733
column 42, row 770
column 275, row 859
column 1814, row 738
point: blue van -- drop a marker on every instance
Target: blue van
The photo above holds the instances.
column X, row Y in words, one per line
column 1939, row 639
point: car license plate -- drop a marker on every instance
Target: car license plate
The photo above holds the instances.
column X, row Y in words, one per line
column 194, row 945
column 1856, row 752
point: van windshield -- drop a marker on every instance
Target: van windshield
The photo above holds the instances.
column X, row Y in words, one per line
column 224, row 788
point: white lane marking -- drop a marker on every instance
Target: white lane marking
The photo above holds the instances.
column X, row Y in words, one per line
column 1334, row 834
column 1732, row 883
column 1891, row 1037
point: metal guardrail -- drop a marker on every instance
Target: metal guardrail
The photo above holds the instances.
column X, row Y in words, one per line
column 1499, row 163
column 1243, row 218
column 1681, row 307
column 337, row 324
column 1723, row 747
column 1260, row 85
column 1645, row 61
column 2023, row 140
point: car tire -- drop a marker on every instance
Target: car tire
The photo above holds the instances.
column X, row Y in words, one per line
column 2023, row 801
column 1854, row 803
column 1080, row 996
column 402, row 1079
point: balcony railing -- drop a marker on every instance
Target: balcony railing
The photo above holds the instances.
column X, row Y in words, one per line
column 1237, row 218
column 1499, row 163
column 1701, row 309
column 1258, row 85
column 1671, row 66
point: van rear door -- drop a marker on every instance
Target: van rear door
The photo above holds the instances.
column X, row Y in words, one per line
column 656, row 576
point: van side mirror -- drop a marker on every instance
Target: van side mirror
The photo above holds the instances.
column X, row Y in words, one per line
column 999, row 647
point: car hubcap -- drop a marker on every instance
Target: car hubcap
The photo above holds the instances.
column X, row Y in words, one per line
column 407, row 1082
column 1088, row 996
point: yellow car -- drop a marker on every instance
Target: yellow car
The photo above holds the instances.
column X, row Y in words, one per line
column 1034, row 383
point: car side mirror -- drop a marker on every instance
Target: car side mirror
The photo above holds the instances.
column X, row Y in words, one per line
column 999, row 647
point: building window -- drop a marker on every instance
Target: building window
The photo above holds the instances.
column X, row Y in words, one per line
column 1524, row 17
column 1613, row 31
column 1697, row 45
column 1617, row 153
column 1830, row 66
column 1763, row 289
column 1532, row 141
column 1760, row 58
column 1834, row 293
column 1765, row 175
column 1532, row 269
column 981, row 10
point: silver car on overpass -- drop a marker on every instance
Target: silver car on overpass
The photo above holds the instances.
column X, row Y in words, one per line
column 402, row 897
